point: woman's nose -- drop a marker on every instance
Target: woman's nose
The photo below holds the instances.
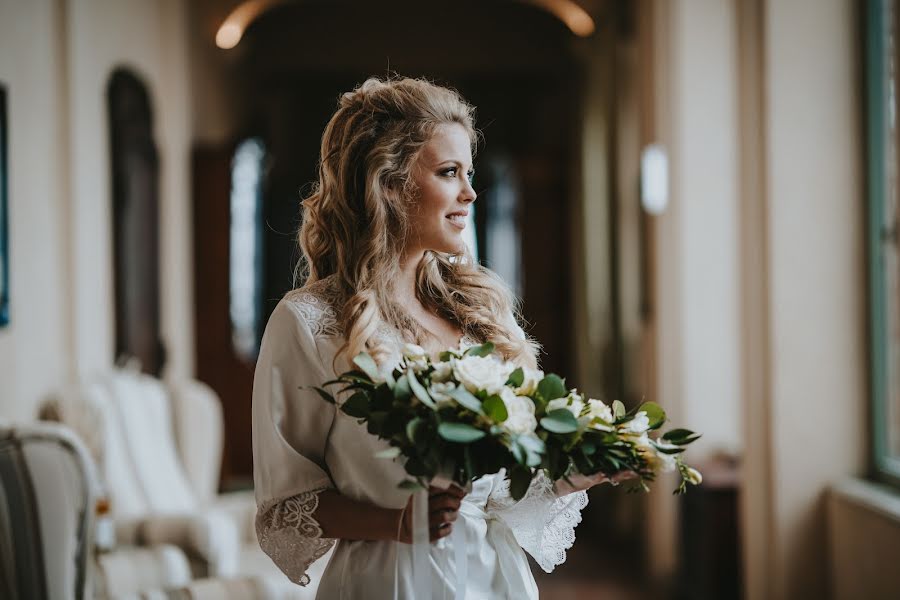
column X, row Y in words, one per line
column 468, row 193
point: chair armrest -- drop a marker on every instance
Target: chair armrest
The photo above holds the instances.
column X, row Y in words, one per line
column 241, row 509
column 210, row 540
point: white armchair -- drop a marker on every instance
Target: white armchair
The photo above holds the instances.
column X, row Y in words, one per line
column 159, row 448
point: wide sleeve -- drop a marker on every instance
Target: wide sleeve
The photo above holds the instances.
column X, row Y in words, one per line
column 291, row 424
column 542, row 522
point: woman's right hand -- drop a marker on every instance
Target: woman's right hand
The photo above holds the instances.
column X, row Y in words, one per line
column 443, row 510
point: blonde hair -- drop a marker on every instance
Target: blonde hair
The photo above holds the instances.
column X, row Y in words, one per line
column 356, row 223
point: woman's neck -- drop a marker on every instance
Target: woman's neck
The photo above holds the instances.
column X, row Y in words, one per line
column 405, row 285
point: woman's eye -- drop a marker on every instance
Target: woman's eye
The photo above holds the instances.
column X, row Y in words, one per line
column 471, row 176
column 451, row 172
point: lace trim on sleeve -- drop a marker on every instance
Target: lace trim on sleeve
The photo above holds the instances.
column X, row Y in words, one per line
column 290, row 535
column 543, row 523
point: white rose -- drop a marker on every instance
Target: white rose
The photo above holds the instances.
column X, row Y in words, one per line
column 418, row 365
column 520, row 411
column 481, row 373
column 440, row 392
column 414, row 352
column 599, row 415
column 639, row 424
column 661, row 462
column 571, row 403
column 442, row 371
column 530, row 380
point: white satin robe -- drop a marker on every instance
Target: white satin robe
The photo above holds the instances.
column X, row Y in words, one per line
column 303, row 445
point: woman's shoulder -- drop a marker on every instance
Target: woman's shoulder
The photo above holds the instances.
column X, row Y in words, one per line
column 316, row 304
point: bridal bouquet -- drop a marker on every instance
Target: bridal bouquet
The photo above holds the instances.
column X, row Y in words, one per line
column 470, row 414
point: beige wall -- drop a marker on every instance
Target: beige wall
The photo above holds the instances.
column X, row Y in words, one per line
column 33, row 347
column 56, row 58
column 759, row 266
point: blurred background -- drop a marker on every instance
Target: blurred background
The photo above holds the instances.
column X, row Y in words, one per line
column 696, row 200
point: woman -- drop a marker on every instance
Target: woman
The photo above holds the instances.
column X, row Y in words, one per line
column 381, row 239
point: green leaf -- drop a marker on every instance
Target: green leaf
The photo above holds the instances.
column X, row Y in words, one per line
column 516, row 378
column 357, row 405
column 532, row 443
column 445, row 356
column 495, row 409
column 519, row 481
column 402, row 389
column 552, row 387
column 325, row 395
column 677, row 434
column 392, row 452
column 419, row 391
column 482, row 350
column 412, row 428
column 367, row 364
column 618, row 408
column 459, row 433
column 466, row 399
column 655, row 414
column 560, row 421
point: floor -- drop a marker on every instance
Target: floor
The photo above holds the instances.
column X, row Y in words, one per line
column 591, row 573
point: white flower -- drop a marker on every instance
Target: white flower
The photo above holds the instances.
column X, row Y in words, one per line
column 520, row 410
column 600, row 416
column 659, row 462
column 639, row 424
column 694, row 476
column 418, row 365
column 572, row 403
column 442, row 371
column 530, row 380
column 440, row 392
column 414, row 352
column 481, row 373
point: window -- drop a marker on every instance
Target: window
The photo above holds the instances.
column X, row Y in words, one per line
column 245, row 273
column 882, row 62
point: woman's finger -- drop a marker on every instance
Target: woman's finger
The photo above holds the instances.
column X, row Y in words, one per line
column 441, row 531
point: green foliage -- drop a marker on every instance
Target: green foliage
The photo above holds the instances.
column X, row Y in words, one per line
column 467, row 400
column 552, row 387
column 516, row 378
column 482, row 350
column 560, row 420
column 460, row 433
column 357, row 405
column 367, row 364
column 655, row 414
column 495, row 409
column 418, row 390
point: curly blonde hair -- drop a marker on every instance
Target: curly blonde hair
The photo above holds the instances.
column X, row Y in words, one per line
column 356, row 223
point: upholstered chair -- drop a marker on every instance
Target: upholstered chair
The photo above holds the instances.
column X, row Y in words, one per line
column 159, row 447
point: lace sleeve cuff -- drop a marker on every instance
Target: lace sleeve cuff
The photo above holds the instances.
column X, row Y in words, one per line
column 543, row 523
column 290, row 535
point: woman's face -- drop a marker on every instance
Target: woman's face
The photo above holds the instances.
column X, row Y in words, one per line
column 442, row 176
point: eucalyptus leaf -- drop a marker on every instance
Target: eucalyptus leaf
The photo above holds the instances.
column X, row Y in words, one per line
column 392, row 452
column 516, row 378
column 402, row 389
column 483, row 350
column 419, row 391
column 552, row 387
column 655, row 414
column 367, row 364
column 532, row 443
column 495, row 409
column 466, row 399
column 357, row 405
column 325, row 395
column 677, row 434
column 560, row 421
column 618, row 408
column 412, row 428
column 459, row 433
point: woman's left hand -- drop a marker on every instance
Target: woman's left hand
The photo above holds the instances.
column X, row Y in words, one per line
column 579, row 482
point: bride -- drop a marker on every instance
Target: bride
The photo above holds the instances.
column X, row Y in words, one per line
column 382, row 243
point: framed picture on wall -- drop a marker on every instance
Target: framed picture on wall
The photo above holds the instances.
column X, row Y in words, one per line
column 4, row 229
